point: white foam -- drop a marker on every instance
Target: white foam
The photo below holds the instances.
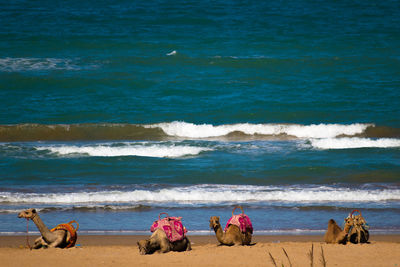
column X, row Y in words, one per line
column 190, row 130
column 203, row 194
column 69, row 208
column 355, row 142
column 172, row 53
column 28, row 64
column 12, row 211
column 143, row 150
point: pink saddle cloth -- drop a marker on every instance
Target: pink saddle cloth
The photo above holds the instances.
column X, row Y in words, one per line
column 172, row 226
column 242, row 221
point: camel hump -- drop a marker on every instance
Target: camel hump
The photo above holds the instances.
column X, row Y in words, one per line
column 242, row 221
column 172, row 226
column 332, row 221
column 72, row 231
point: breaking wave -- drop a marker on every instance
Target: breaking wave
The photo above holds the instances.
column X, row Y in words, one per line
column 127, row 149
column 347, row 143
column 190, row 130
column 204, row 194
column 184, row 130
column 82, row 208
column 319, row 136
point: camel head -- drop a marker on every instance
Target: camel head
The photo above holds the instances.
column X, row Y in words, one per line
column 348, row 223
column 214, row 222
column 143, row 246
column 27, row 214
column 359, row 220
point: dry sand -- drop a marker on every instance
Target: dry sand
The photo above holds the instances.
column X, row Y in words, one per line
column 121, row 250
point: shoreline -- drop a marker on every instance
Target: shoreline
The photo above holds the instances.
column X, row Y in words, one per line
column 130, row 240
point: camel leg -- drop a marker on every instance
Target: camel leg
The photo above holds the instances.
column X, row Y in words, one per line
column 232, row 240
column 142, row 244
column 189, row 245
column 242, row 240
column 56, row 242
column 341, row 239
column 365, row 237
column 39, row 243
column 229, row 242
column 164, row 246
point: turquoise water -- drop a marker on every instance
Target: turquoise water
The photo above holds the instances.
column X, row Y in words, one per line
column 114, row 112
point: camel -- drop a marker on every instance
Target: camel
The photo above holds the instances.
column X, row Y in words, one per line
column 159, row 241
column 335, row 235
column 359, row 232
column 56, row 238
column 232, row 236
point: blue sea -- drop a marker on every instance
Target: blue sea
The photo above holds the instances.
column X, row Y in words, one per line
column 115, row 111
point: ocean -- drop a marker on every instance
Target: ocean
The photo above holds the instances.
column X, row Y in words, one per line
column 113, row 112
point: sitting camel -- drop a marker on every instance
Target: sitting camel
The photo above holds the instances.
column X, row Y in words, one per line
column 159, row 241
column 232, row 235
column 62, row 236
column 169, row 234
column 359, row 231
column 335, row 234
column 355, row 230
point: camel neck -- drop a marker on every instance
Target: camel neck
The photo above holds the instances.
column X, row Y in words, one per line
column 217, row 227
column 347, row 228
column 47, row 235
column 218, row 232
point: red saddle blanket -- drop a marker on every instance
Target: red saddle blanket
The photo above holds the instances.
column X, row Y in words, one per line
column 242, row 221
column 172, row 226
column 71, row 229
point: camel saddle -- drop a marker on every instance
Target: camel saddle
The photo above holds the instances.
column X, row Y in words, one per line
column 359, row 230
column 172, row 226
column 240, row 220
column 71, row 229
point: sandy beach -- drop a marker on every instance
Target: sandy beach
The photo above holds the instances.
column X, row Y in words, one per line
column 97, row 250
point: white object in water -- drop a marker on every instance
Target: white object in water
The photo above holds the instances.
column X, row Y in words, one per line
column 172, row 53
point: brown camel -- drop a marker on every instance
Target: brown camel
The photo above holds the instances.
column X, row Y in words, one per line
column 359, row 232
column 57, row 238
column 335, row 234
column 158, row 241
column 232, row 236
